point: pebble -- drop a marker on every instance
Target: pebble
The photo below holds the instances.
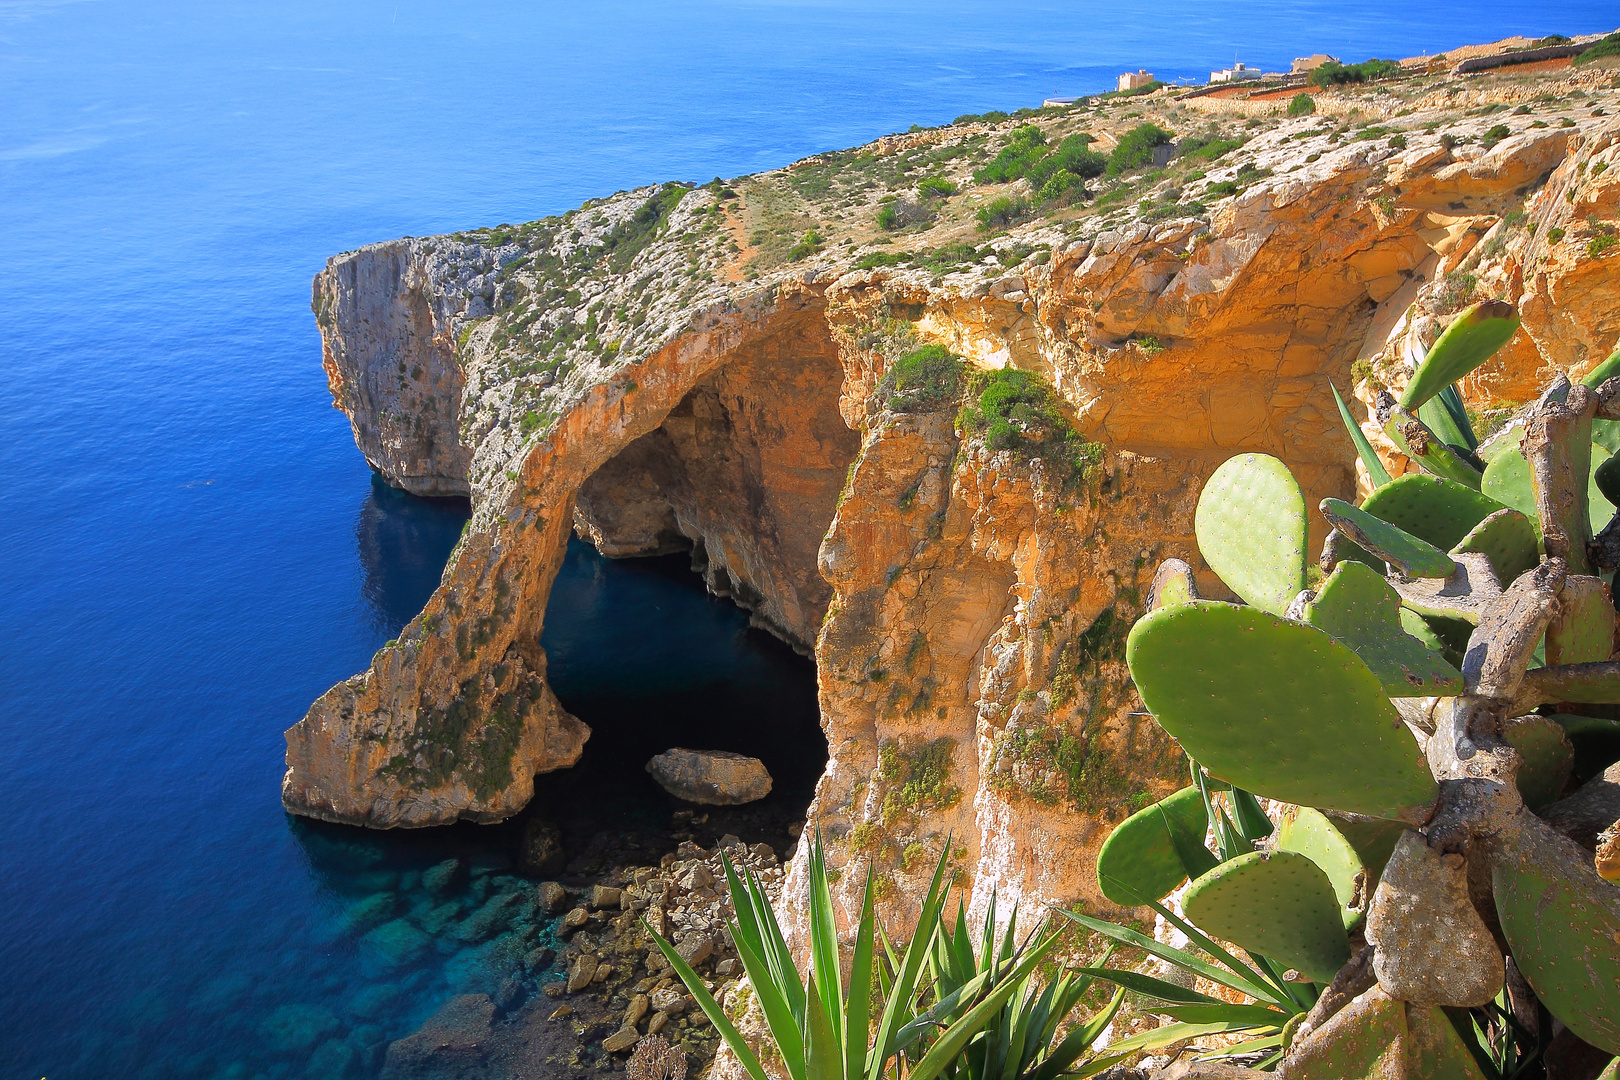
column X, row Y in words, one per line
column 575, row 918
column 605, row 896
column 621, row 1040
column 561, row 1011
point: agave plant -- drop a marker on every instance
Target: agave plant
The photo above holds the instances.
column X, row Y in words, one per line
column 1023, row 1040
column 820, row 1026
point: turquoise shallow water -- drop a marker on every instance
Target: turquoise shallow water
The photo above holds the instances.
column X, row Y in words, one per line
column 193, row 549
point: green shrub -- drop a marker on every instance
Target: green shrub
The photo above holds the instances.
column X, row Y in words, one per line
column 1026, row 146
column 923, row 380
column 1397, row 142
column 1495, row 135
column 1195, row 149
column 1335, row 74
column 936, row 187
column 809, row 245
column 1000, row 212
column 1554, row 235
column 881, row 258
column 1017, row 411
column 1301, row 105
column 994, row 116
column 898, row 213
column 1136, row 148
column 1609, row 46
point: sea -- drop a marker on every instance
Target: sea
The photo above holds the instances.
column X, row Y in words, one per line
column 192, row 549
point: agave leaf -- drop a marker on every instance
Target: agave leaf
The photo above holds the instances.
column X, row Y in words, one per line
column 1255, row 988
column 857, row 1019
column 1369, row 457
column 910, row 966
column 824, row 944
column 1079, row 1040
column 711, row 1008
column 1148, row 986
column 1227, row 1013
column 955, row 1037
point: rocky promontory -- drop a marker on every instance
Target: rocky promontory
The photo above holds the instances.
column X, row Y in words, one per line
column 733, row 369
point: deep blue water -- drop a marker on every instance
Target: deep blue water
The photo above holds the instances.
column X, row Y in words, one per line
column 192, row 547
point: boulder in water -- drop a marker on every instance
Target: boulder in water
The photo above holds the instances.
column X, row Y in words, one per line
column 710, row 777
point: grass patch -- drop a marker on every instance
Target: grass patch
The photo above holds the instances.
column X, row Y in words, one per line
column 1609, row 46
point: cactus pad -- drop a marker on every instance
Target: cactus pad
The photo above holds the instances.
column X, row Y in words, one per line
column 1373, row 839
column 1468, row 342
column 1507, row 480
column 1147, row 854
column 1252, row 530
column 1563, row 923
column 1431, row 508
column 1278, row 903
column 1279, row 708
column 1506, row 538
column 1310, row 833
column 1607, row 478
column 1359, row 608
column 1173, row 583
column 1408, row 554
column 1549, row 757
column 1583, row 631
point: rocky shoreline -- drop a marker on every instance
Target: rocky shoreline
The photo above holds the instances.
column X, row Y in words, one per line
column 580, row 1008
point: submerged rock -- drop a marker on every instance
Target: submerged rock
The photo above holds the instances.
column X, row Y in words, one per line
column 454, row 1038
column 711, row 777
column 542, row 851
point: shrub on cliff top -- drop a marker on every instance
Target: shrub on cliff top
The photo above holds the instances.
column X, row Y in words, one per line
column 1000, row 212
column 1609, row 46
column 1017, row 411
column 1136, row 147
column 1301, row 105
column 923, row 380
column 1333, row 73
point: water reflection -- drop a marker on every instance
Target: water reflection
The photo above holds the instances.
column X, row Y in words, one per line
column 404, row 541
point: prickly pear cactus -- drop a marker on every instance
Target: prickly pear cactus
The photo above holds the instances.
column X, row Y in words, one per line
column 1431, row 508
column 1252, row 530
column 1278, row 903
column 1279, row 708
column 1155, row 849
column 1477, row 613
column 1359, row 608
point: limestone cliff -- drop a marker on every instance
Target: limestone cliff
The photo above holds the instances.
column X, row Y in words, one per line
column 702, row 367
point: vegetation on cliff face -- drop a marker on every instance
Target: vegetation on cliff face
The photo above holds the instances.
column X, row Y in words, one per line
column 1017, row 411
column 923, row 380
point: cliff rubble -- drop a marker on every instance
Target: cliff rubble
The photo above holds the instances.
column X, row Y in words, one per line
column 685, row 368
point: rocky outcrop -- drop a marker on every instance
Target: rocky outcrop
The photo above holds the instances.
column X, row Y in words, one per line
column 711, row 777
column 615, row 372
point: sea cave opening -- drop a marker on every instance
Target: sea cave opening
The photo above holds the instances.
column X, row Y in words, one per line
column 644, row 653
column 685, row 611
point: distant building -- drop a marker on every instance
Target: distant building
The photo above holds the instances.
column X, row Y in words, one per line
column 1058, row 102
column 1235, row 73
column 1303, row 64
column 1135, row 80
